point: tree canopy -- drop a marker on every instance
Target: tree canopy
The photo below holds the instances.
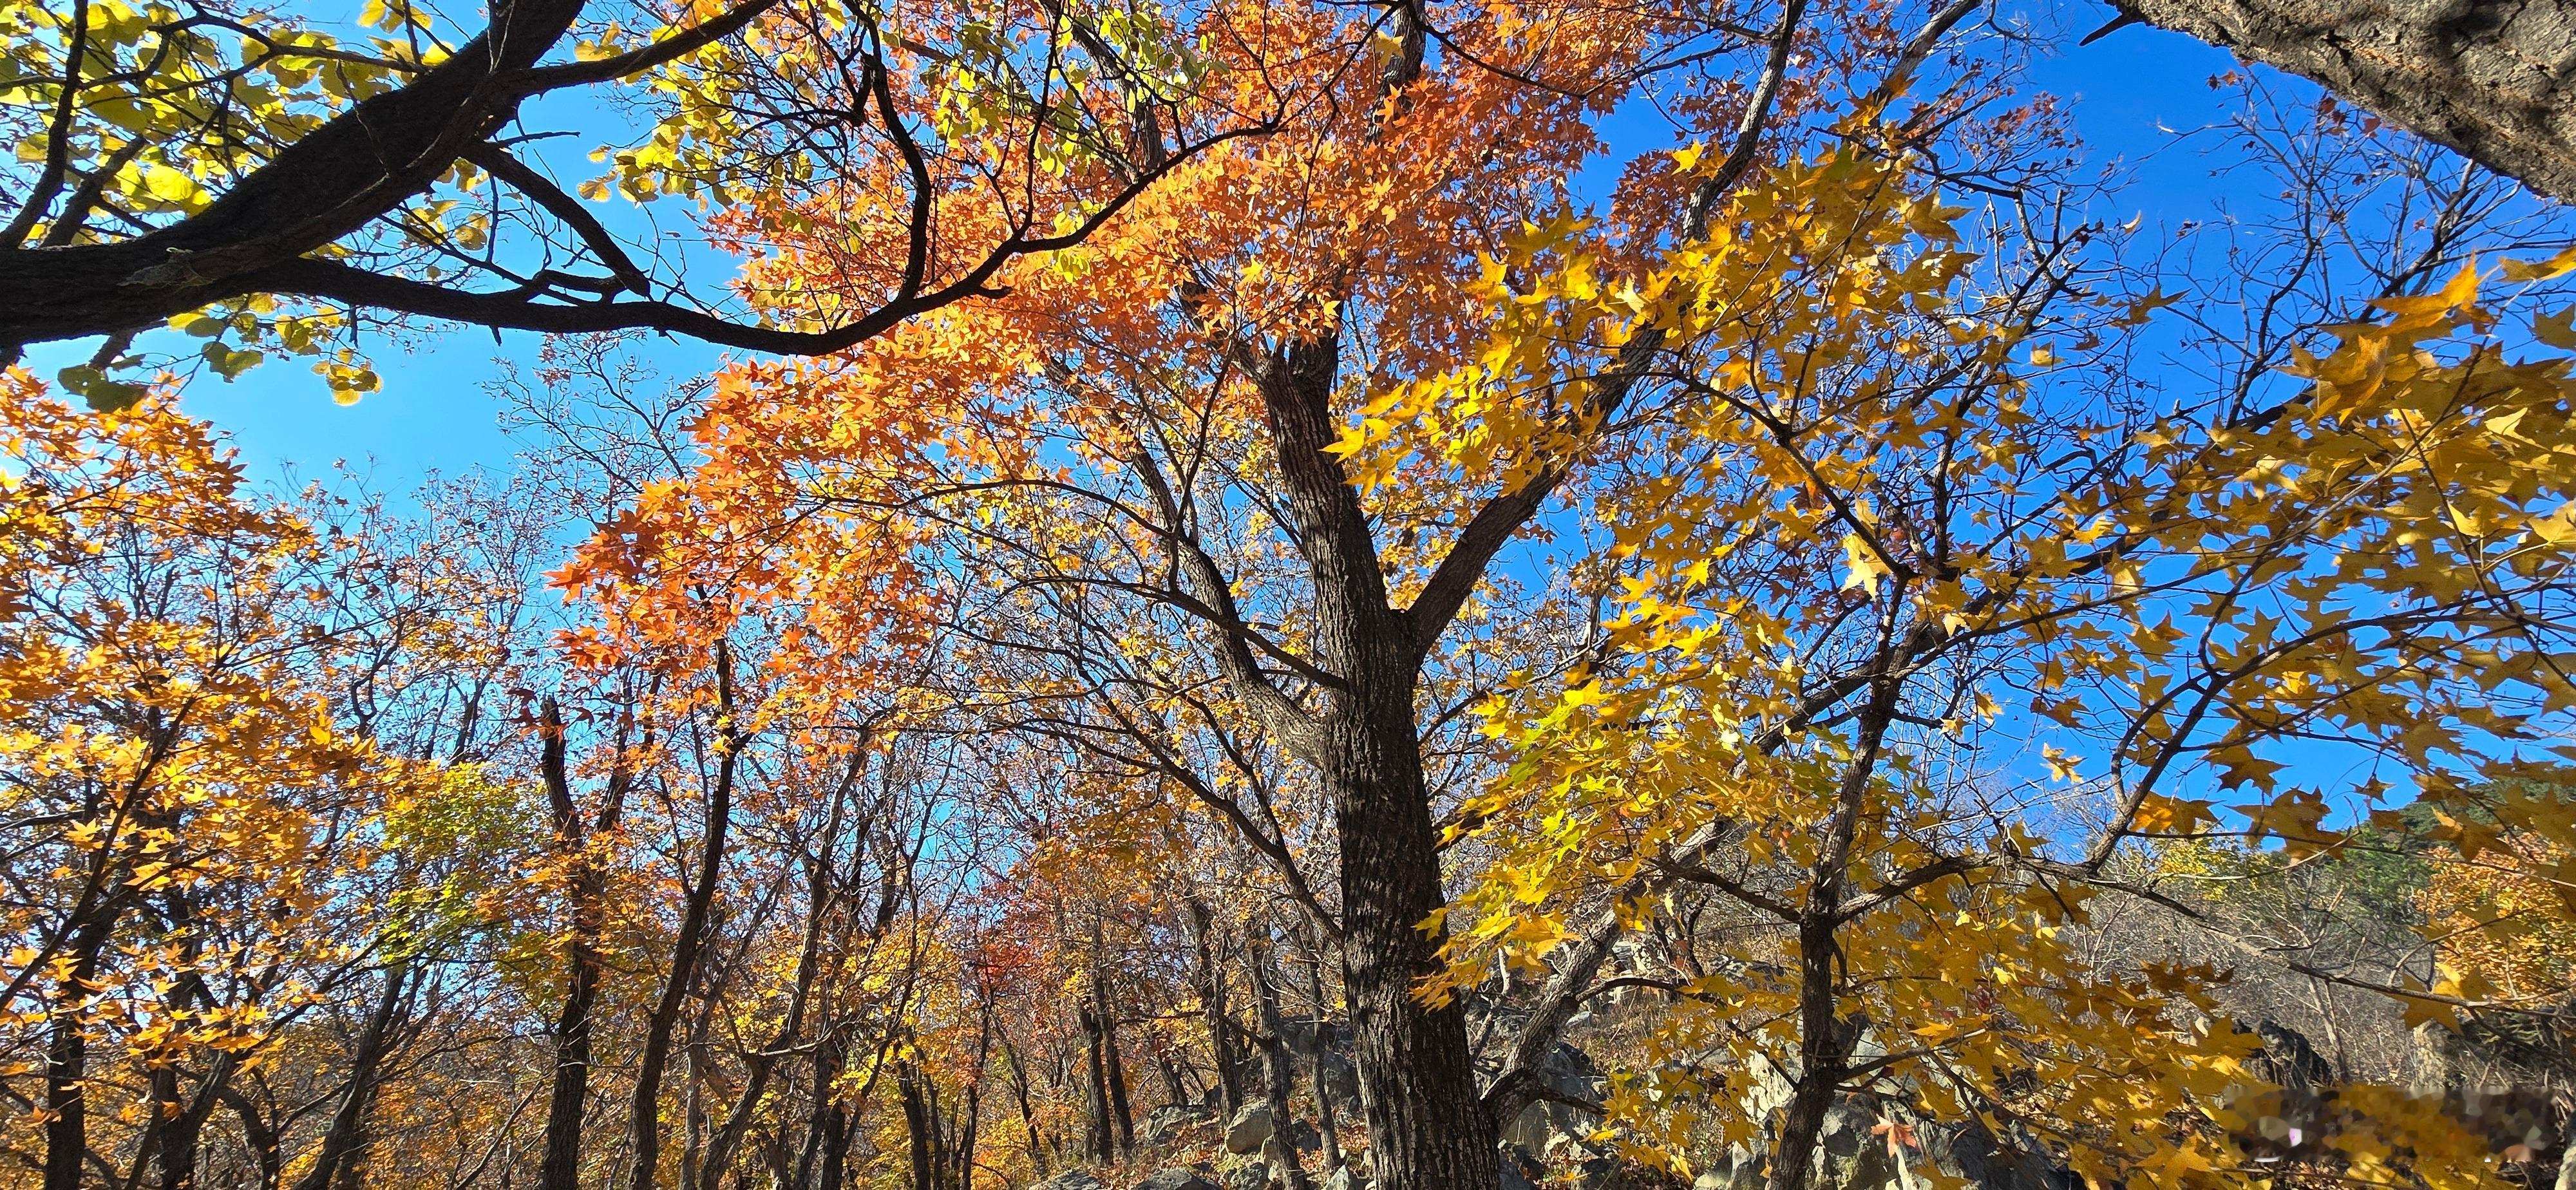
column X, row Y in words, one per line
column 1281, row 597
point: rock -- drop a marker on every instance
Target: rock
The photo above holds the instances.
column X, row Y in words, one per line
column 1514, row 1175
column 1342, row 1081
column 1244, row 1175
column 1071, row 1179
column 1177, row 1178
column 1169, row 1120
column 2288, row 1060
column 1343, row 1179
column 1531, row 1130
column 1249, row 1128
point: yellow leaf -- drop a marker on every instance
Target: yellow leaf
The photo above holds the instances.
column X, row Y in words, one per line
column 1866, row 567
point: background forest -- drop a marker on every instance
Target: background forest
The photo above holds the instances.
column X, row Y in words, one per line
column 1308, row 594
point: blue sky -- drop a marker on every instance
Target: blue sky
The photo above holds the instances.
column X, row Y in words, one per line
column 434, row 413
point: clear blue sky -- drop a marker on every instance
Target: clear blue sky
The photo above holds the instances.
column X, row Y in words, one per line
column 434, row 413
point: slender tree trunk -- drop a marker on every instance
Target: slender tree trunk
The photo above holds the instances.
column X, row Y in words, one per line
column 1102, row 1133
column 1028, row 1118
column 973, row 1111
column 559, row 1163
column 761, row 1063
column 1115, row 1067
column 348, row 1131
column 826, row 1115
column 646, row 1115
column 1825, row 1040
column 1279, row 1071
column 919, row 1127
column 258, row 1134
column 1212, row 1000
column 67, row 1051
column 1326, row 1118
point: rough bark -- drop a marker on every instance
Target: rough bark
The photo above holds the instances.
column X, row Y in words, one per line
column 2493, row 79
column 1100, row 1140
column 1114, row 1066
column 1417, row 1075
column 1280, row 1076
column 67, row 1054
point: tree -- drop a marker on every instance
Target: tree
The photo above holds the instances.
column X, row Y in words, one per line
column 1886, row 530
column 242, row 174
column 1160, row 450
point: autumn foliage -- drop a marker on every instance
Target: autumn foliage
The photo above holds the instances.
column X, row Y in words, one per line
column 1358, row 595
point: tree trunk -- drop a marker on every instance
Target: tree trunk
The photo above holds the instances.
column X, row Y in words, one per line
column 1028, row 1118
column 67, row 1052
column 1115, row 1068
column 646, row 1114
column 1279, row 1073
column 2493, row 79
column 1102, row 1135
column 1427, row 1130
column 920, row 1127
column 559, row 1166
column 348, row 1131
column 258, row 1134
column 1417, row 1076
column 1326, row 1118
column 1229, row 1068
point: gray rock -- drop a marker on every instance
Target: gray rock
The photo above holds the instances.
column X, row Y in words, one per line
column 1342, row 1080
column 1071, row 1179
column 1249, row 1128
column 1514, row 1177
column 1343, row 1179
column 1244, row 1175
column 1170, row 1120
column 1531, row 1130
column 1177, row 1178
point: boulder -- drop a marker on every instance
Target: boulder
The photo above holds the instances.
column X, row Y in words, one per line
column 1250, row 1127
column 1342, row 1080
column 1071, row 1179
column 1177, row 1178
column 2287, row 1059
column 1244, row 1175
column 1515, row 1173
column 1169, row 1120
column 1343, row 1179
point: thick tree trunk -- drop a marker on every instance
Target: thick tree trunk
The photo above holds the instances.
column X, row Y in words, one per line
column 1417, row 1075
column 2493, row 79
